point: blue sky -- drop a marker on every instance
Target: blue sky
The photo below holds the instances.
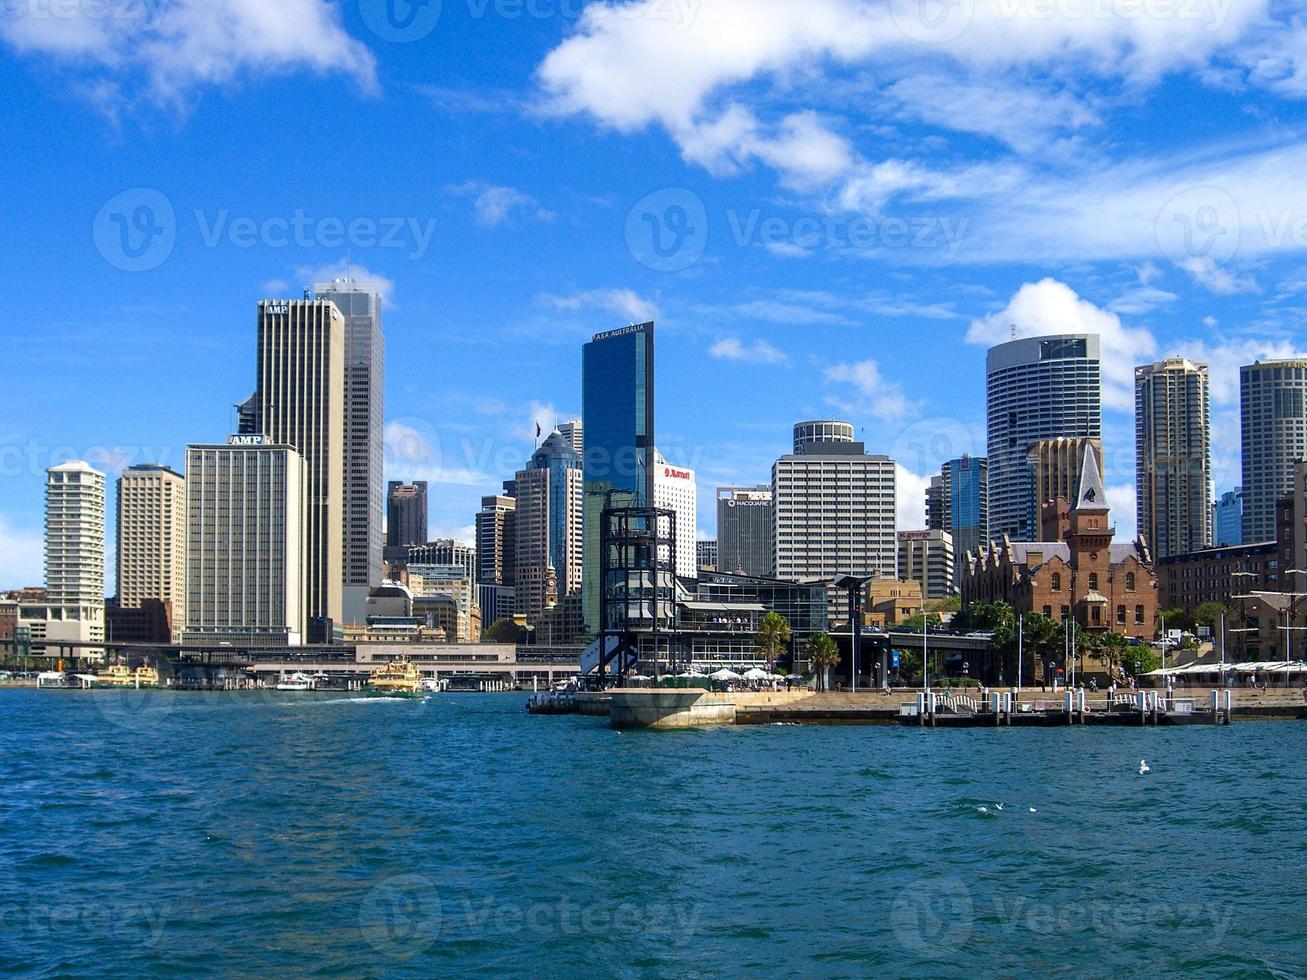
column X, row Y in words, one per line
column 830, row 206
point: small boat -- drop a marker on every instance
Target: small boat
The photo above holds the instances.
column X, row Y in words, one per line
column 397, row 679
column 296, row 682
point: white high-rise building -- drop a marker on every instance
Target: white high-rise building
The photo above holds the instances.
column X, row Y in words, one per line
column 74, row 554
column 1040, row 388
column 363, row 496
column 245, row 569
column 574, row 433
column 835, row 507
column 1274, row 408
column 152, row 541
column 301, row 403
column 1173, row 478
column 676, row 489
column 927, row 557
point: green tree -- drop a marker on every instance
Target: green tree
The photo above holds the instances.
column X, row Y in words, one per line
column 773, row 637
column 1179, row 619
column 1209, row 614
column 822, row 654
column 506, row 631
column 1139, row 660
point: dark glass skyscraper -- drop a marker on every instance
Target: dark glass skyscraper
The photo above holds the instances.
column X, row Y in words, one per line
column 617, row 393
column 406, row 516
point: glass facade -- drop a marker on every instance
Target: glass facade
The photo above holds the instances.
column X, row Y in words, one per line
column 618, row 408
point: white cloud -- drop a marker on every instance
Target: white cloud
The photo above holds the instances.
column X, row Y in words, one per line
column 620, row 302
column 1121, row 498
column 22, row 556
column 176, row 45
column 759, row 352
column 776, row 311
column 343, row 269
column 1220, row 280
column 911, row 499
column 1143, row 300
column 880, row 397
column 413, row 451
column 1052, row 307
column 494, row 205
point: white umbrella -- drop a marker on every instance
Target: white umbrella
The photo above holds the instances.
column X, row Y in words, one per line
column 725, row 674
column 757, row 674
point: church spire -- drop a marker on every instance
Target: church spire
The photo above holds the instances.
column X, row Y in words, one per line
column 1092, row 495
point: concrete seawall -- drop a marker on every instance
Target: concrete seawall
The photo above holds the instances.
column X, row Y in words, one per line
column 670, row 709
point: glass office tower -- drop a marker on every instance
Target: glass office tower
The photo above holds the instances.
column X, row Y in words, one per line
column 617, row 393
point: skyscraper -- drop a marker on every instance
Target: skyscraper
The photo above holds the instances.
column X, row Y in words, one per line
column 927, row 557
column 746, row 524
column 706, row 555
column 1039, row 388
column 446, row 551
column 1274, row 397
column 1173, row 456
column 618, row 418
column 74, row 552
column 300, row 399
column 574, row 433
column 835, row 507
column 676, row 489
column 245, row 568
column 957, row 501
column 547, row 563
column 364, row 410
column 1227, row 519
column 496, row 540
column 152, row 542
column 406, row 514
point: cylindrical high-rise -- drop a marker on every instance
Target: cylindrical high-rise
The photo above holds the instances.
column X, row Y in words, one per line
column 1274, row 439
column 821, row 431
column 1039, row 388
column 1173, row 443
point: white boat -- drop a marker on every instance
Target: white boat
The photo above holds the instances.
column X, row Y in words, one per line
column 295, row 682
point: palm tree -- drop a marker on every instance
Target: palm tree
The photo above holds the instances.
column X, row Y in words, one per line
column 773, row 637
column 822, row 654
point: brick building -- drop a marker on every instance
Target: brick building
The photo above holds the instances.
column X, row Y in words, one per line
column 1105, row 587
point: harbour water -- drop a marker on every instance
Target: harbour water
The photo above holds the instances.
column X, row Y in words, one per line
column 152, row 833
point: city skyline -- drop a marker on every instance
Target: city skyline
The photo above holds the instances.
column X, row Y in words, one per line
column 923, row 201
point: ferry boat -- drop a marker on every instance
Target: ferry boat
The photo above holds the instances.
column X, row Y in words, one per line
column 398, row 679
column 296, row 682
column 120, row 675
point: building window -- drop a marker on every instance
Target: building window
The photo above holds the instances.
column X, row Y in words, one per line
column 1120, row 615
column 1057, row 582
column 1093, row 581
column 1139, row 615
column 1066, row 613
column 1130, row 581
column 1048, row 611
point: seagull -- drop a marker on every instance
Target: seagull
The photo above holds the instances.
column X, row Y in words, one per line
column 1143, row 768
column 998, row 807
column 983, row 809
column 1033, row 810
